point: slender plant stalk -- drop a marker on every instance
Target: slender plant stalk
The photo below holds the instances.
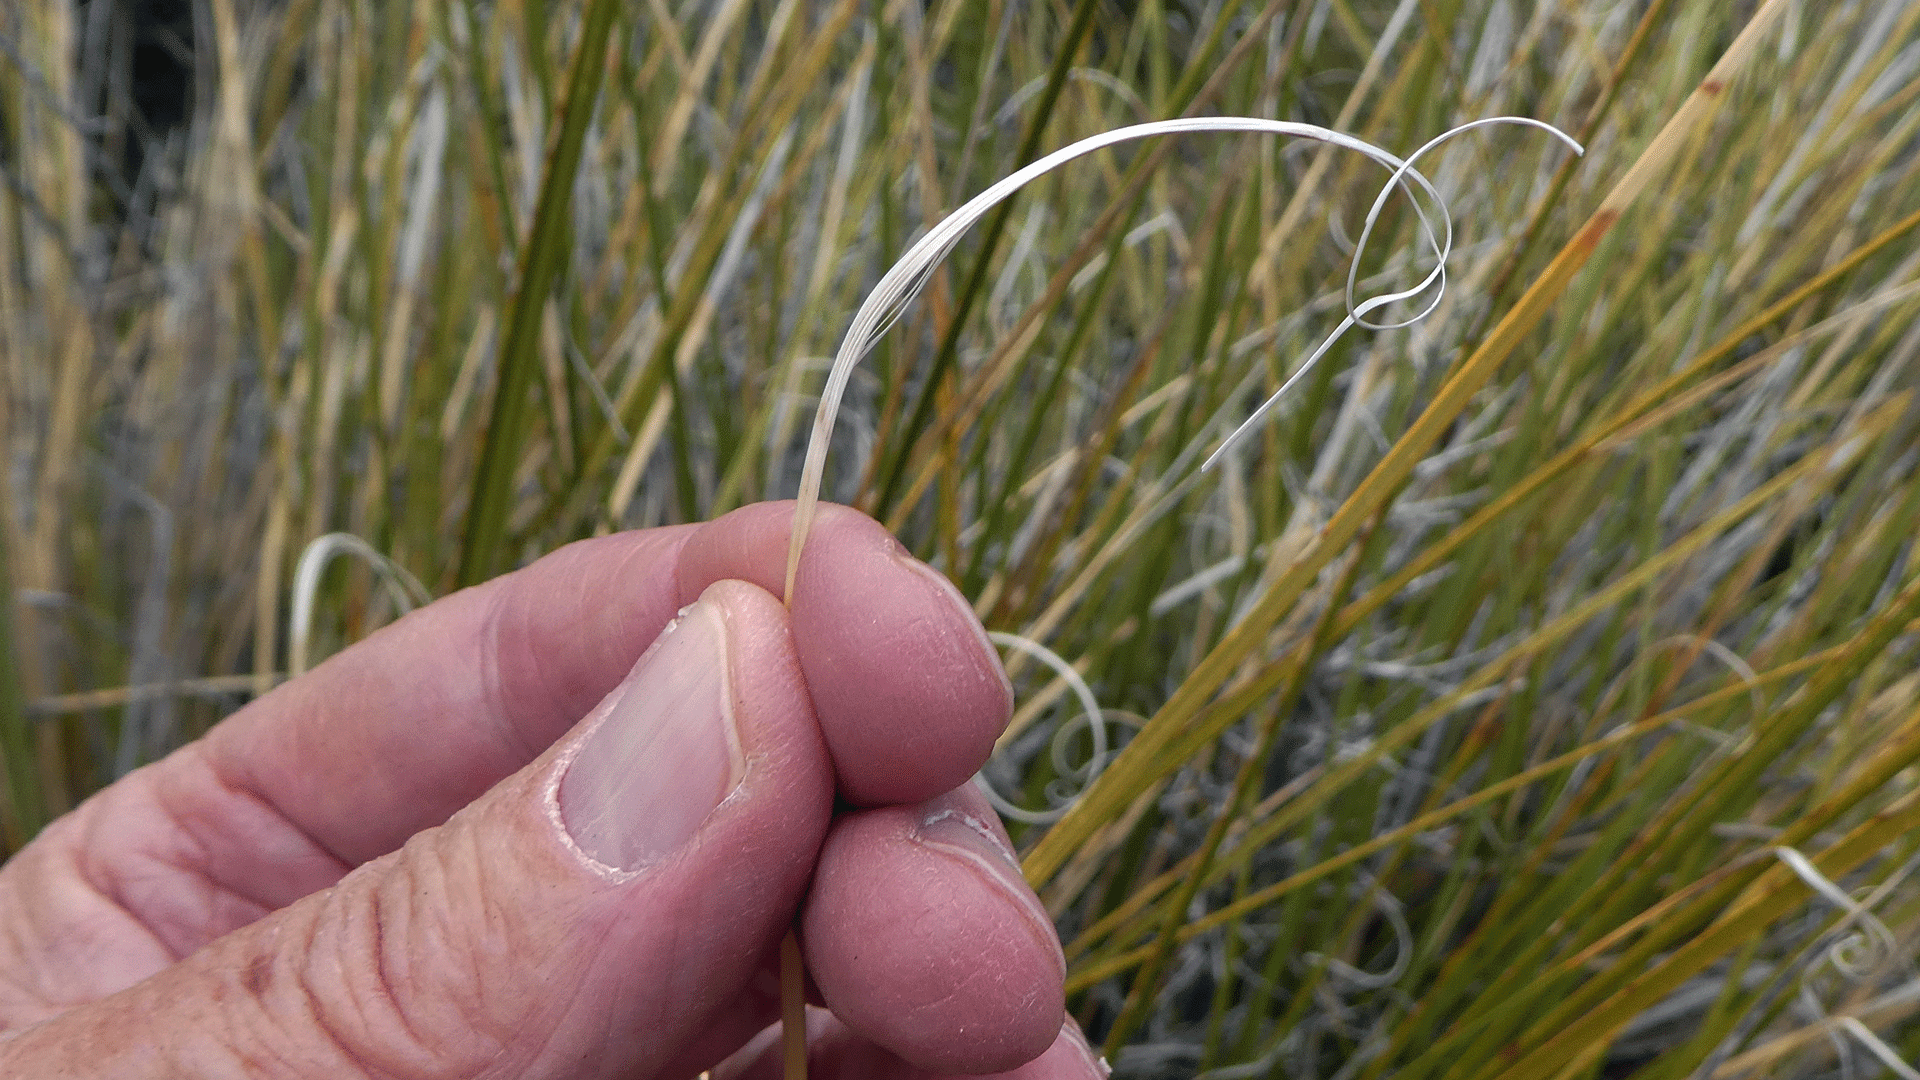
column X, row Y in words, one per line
column 484, row 552
column 26, row 805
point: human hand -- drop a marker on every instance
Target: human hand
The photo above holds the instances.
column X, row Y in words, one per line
column 419, row 861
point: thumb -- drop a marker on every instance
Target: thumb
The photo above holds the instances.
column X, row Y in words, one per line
column 591, row 916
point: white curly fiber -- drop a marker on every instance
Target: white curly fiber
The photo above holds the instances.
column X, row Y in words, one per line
column 909, row 275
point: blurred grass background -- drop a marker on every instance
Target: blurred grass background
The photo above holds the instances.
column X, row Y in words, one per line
column 1535, row 696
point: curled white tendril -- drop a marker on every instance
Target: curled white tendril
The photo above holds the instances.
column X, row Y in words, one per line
column 904, row 280
column 1096, row 726
column 1854, row 954
column 402, row 588
column 1436, row 278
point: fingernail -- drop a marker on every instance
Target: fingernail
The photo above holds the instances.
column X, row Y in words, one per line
column 1098, row 1064
column 663, row 756
column 989, row 656
column 953, row 826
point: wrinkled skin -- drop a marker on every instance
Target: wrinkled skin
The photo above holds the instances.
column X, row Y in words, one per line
column 363, row 873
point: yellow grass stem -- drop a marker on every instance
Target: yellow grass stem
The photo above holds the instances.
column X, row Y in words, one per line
column 1145, row 759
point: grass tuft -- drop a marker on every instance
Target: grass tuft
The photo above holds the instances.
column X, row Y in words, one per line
column 1531, row 695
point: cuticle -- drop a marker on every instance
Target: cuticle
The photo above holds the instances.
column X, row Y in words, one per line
column 729, row 711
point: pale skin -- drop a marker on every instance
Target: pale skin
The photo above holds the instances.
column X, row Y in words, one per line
column 372, row 871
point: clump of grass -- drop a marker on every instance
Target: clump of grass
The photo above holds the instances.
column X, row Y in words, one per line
column 1521, row 701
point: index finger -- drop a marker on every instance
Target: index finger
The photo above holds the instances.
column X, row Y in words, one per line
column 396, row 732
column 909, row 691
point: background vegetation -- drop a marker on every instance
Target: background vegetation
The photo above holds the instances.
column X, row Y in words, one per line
column 1534, row 697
